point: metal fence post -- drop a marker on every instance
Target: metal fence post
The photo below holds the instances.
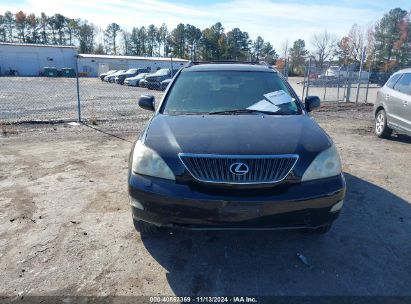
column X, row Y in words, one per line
column 305, row 75
column 326, row 82
column 359, row 75
column 368, row 81
column 78, row 91
column 308, row 77
column 347, row 96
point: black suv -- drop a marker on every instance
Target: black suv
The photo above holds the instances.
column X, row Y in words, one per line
column 129, row 73
column 153, row 81
column 231, row 146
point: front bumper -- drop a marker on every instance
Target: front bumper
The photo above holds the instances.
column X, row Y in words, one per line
column 301, row 205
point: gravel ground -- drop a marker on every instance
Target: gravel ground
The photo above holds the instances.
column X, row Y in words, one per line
column 66, row 224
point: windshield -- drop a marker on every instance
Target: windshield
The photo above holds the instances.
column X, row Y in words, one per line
column 222, row 91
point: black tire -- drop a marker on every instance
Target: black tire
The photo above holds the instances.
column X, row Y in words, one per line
column 381, row 129
column 144, row 228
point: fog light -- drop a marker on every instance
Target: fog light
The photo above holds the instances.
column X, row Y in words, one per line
column 337, row 207
column 135, row 203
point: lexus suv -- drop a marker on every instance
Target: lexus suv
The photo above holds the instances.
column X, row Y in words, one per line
column 231, row 146
column 392, row 108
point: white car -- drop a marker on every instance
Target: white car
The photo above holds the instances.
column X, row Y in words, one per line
column 134, row 81
column 336, row 71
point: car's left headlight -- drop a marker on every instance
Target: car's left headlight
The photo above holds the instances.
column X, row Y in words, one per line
column 326, row 164
column 147, row 162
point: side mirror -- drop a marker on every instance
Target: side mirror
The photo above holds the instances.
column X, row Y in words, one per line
column 146, row 102
column 311, row 103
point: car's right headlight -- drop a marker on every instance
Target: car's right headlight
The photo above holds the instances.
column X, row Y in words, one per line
column 326, row 164
column 146, row 161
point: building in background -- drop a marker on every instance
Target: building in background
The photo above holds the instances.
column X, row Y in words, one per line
column 94, row 65
column 31, row 59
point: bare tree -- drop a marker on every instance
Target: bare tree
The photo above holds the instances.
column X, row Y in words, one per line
column 324, row 45
column 284, row 49
column 357, row 41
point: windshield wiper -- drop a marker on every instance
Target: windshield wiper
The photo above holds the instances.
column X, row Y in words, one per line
column 247, row 111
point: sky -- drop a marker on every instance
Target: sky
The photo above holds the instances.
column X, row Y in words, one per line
column 274, row 20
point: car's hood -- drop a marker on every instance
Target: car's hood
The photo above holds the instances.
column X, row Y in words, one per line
column 235, row 135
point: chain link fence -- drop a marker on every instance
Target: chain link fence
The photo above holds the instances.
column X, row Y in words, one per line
column 112, row 97
column 344, row 83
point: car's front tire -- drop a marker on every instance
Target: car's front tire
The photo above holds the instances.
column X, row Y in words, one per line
column 381, row 128
column 144, row 228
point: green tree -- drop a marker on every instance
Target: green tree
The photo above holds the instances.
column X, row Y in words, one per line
column 269, row 53
column 193, row 36
column 258, row 48
column 177, row 41
column 111, row 34
column 86, row 34
column 9, row 26
column 213, row 42
column 3, row 32
column 297, row 56
column 72, row 30
column 43, row 24
column 151, row 39
column 392, row 40
column 21, row 26
column 237, row 47
column 162, row 39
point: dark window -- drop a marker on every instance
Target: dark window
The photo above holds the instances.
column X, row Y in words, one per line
column 212, row 91
column 393, row 79
column 404, row 84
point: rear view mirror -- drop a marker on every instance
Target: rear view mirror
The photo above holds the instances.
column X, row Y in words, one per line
column 146, row 102
column 311, row 103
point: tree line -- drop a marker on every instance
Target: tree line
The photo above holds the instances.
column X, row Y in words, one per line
column 385, row 45
column 185, row 41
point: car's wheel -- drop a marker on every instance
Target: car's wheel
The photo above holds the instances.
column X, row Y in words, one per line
column 381, row 128
column 145, row 228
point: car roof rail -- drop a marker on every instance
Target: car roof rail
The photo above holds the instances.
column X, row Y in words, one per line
column 192, row 63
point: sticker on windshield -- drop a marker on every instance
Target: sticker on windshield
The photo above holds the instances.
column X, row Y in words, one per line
column 278, row 97
column 264, row 105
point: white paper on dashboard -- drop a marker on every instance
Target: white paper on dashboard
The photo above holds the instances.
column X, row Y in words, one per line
column 278, row 97
column 264, row 105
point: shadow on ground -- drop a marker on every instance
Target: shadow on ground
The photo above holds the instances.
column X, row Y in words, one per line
column 367, row 252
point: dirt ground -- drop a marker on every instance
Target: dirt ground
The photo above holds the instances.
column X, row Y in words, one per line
column 66, row 224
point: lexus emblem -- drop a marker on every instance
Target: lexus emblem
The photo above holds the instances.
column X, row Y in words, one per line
column 239, row 168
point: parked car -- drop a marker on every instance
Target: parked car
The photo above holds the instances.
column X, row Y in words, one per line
column 106, row 74
column 220, row 154
column 392, row 108
column 129, row 73
column 164, row 84
column 153, row 81
column 379, row 78
column 336, row 71
column 111, row 77
column 134, row 81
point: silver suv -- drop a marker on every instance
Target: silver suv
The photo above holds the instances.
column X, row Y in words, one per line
column 392, row 108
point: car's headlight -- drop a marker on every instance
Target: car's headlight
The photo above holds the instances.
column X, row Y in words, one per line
column 326, row 164
column 147, row 162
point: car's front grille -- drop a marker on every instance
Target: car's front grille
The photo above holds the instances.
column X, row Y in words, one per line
column 239, row 169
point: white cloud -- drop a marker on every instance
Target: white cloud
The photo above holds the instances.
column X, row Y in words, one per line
column 273, row 21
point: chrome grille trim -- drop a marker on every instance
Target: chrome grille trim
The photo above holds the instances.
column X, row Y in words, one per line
column 214, row 168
